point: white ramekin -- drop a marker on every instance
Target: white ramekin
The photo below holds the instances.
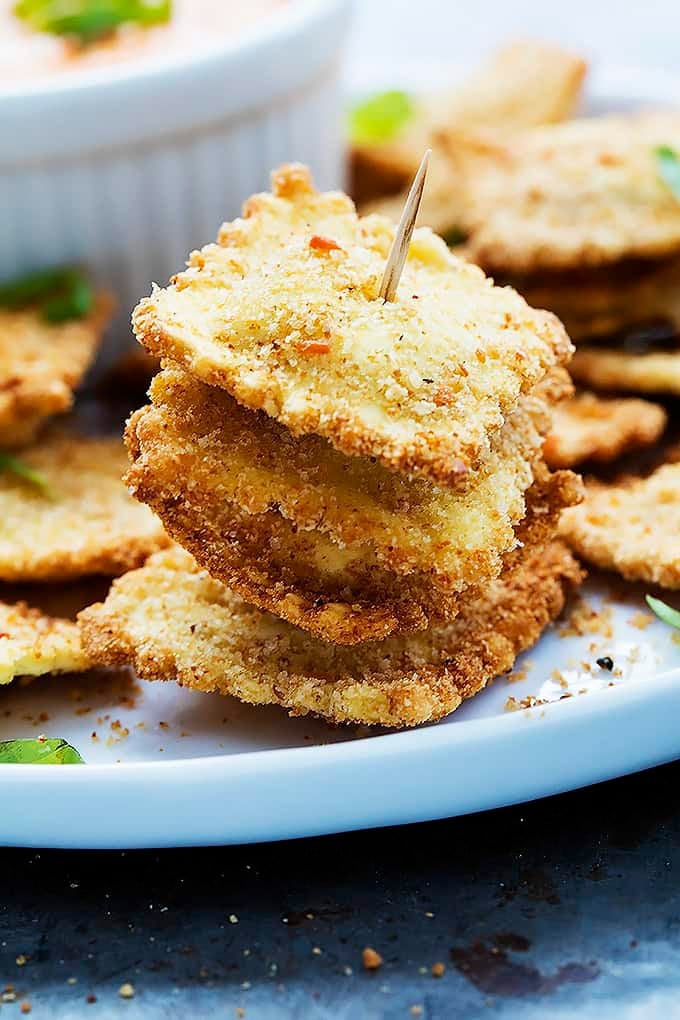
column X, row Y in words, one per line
column 127, row 169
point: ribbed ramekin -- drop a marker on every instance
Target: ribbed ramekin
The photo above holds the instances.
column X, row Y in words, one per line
column 127, row 169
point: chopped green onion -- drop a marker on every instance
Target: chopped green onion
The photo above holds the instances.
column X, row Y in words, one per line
column 454, row 237
column 380, row 118
column 666, row 613
column 43, row 751
column 8, row 462
column 668, row 165
column 61, row 294
column 89, row 20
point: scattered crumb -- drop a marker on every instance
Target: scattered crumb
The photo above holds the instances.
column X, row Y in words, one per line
column 21, row 960
column 585, row 619
column 416, row 1011
column 347, row 970
column 641, row 620
column 91, row 998
column 233, row 919
column 9, row 995
column 126, row 991
column 25, row 1007
column 317, row 951
column 438, row 970
column 240, row 1011
column 71, row 981
column 370, row 959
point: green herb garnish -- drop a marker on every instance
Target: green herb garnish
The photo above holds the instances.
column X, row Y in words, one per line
column 43, row 751
column 61, row 294
column 666, row 613
column 380, row 118
column 8, row 462
column 454, row 237
column 668, row 165
column 89, row 20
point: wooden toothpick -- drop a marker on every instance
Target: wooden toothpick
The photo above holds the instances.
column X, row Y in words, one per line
column 402, row 237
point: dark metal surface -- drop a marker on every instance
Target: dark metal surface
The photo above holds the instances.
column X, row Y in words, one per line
column 568, row 907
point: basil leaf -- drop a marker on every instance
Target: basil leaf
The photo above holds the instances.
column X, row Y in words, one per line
column 8, row 462
column 381, row 117
column 61, row 294
column 89, row 20
column 50, row 751
column 668, row 166
column 666, row 613
column 454, row 237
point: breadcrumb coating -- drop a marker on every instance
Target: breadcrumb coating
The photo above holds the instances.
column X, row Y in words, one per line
column 86, row 523
column 632, row 527
column 524, row 83
column 604, row 368
column 172, row 621
column 32, row 644
column 600, row 429
column 584, row 193
column 40, row 366
column 421, row 383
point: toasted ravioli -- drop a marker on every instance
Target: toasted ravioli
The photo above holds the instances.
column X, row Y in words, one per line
column 85, row 523
column 40, row 366
column 604, row 368
column 598, row 429
column 631, row 296
column 337, row 545
column 524, row 83
column 172, row 621
column 584, row 193
column 32, row 644
column 195, row 439
column 632, row 527
column 284, row 314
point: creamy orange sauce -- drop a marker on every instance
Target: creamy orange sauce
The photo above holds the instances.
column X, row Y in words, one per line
column 26, row 55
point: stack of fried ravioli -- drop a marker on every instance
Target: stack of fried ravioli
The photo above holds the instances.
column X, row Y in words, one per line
column 358, row 486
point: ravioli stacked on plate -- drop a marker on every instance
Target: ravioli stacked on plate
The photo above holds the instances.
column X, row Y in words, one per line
column 366, row 517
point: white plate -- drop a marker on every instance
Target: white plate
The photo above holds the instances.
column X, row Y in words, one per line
column 169, row 767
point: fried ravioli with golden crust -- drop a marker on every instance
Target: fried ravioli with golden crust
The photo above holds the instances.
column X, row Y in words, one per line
column 283, row 312
column 40, row 366
column 604, row 368
column 524, row 83
column 172, row 621
column 632, row 527
column 599, row 429
column 32, row 644
column 593, row 304
column 85, row 523
column 581, row 194
column 338, row 545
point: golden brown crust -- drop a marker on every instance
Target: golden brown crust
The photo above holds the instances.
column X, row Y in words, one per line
column 40, row 366
column 632, row 527
column 421, row 383
column 584, row 193
column 32, row 644
column 603, row 368
column 87, row 523
column 523, row 84
column 598, row 429
column 172, row 621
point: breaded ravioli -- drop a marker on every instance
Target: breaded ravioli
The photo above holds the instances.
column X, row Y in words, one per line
column 338, row 545
column 284, row 313
column 41, row 364
column 32, row 644
column 630, row 296
column 607, row 368
column 523, row 84
column 600, row 429
column 632, row 527
column 585, row 193
column 81, row 521
column 172, row 621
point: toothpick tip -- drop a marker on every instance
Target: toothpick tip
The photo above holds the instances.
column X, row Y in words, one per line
column 402, row 237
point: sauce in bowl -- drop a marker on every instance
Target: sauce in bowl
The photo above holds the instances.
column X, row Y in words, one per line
column 28, row 55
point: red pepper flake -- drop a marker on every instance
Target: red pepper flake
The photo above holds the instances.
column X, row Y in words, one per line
column 313, row 347
column 319, row 243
